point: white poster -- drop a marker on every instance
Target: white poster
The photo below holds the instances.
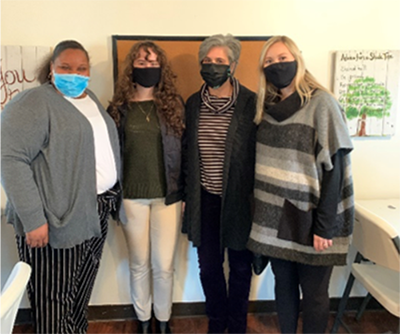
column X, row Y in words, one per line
column 367, row 84
column 18, row 65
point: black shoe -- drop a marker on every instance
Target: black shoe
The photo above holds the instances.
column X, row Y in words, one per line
column 260, row 262
column 162, row 327
column 144, row 327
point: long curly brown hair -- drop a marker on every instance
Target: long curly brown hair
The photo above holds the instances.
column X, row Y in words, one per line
column 166, row 98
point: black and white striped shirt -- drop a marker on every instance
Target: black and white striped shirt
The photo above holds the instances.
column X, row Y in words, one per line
column 215, row 118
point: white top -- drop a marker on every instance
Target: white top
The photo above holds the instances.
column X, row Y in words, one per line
column 106, row 172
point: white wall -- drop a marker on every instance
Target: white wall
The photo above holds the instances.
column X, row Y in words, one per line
column 319, row 27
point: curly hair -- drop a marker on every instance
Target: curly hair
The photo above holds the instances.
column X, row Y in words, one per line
column 166, row 98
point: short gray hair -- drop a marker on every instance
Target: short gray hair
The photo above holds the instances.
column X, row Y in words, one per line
column 231, row 43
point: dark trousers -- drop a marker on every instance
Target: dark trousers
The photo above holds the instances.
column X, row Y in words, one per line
column 62, row 279
column 314, row 284
column 226, row 307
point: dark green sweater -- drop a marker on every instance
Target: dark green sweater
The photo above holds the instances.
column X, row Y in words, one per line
column 144, row 172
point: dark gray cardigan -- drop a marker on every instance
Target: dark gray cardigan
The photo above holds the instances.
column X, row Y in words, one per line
column 238, row 177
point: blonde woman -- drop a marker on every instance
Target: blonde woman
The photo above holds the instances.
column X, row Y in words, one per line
column 303, row 188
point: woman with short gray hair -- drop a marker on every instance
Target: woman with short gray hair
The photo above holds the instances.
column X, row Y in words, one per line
column 231, row 44
column 218, row 165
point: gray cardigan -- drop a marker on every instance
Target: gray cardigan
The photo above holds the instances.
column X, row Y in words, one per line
column 48, row 166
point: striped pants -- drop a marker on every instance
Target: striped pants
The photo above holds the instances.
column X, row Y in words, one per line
column 62, row 280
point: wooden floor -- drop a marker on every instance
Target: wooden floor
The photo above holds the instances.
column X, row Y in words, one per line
column 371, row 322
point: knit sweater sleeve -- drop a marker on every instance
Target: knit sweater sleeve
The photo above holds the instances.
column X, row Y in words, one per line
column 331, row 128
column 333, row 144
column 24, row 133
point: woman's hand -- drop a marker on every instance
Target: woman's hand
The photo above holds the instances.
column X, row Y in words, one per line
column 320, row 244
column 38, row 237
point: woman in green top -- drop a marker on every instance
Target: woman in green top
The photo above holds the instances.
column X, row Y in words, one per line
column 148, row 112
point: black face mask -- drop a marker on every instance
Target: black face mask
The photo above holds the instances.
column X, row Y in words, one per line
column 215, row 74
column 281, row 74
column 147, row 76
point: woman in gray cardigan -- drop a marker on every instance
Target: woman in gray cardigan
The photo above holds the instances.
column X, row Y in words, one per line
column 60, row 171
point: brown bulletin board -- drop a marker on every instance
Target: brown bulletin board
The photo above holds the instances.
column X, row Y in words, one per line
column 182, row 53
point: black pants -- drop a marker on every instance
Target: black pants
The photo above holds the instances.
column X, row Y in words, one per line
column 314, row 284
column 226, row 307
column 62, row 280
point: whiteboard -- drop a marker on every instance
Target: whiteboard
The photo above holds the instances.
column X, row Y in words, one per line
column 367, row 84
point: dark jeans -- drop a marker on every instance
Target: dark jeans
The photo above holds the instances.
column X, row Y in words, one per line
column 314, row 283
column 226, row 307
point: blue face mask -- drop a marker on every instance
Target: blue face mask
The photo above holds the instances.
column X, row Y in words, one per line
column 70, row 85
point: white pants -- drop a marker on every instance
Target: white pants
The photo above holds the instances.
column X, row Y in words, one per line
column 151, row 234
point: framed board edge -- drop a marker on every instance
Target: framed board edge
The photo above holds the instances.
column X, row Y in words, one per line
column 116, row 38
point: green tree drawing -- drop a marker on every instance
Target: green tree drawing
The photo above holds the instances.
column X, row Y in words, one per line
column 364, row 98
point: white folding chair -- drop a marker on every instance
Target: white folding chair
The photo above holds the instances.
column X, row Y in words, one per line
column 11, row 295
column 377, row 241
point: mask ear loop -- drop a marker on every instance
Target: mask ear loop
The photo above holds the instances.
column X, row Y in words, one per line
column 230, row 71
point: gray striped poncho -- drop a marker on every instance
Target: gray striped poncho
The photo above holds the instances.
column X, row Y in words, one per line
column 290, row 158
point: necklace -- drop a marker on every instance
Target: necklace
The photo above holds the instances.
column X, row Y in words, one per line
column 147, row 115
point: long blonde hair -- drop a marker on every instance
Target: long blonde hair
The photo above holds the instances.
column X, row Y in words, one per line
column 304, row 81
